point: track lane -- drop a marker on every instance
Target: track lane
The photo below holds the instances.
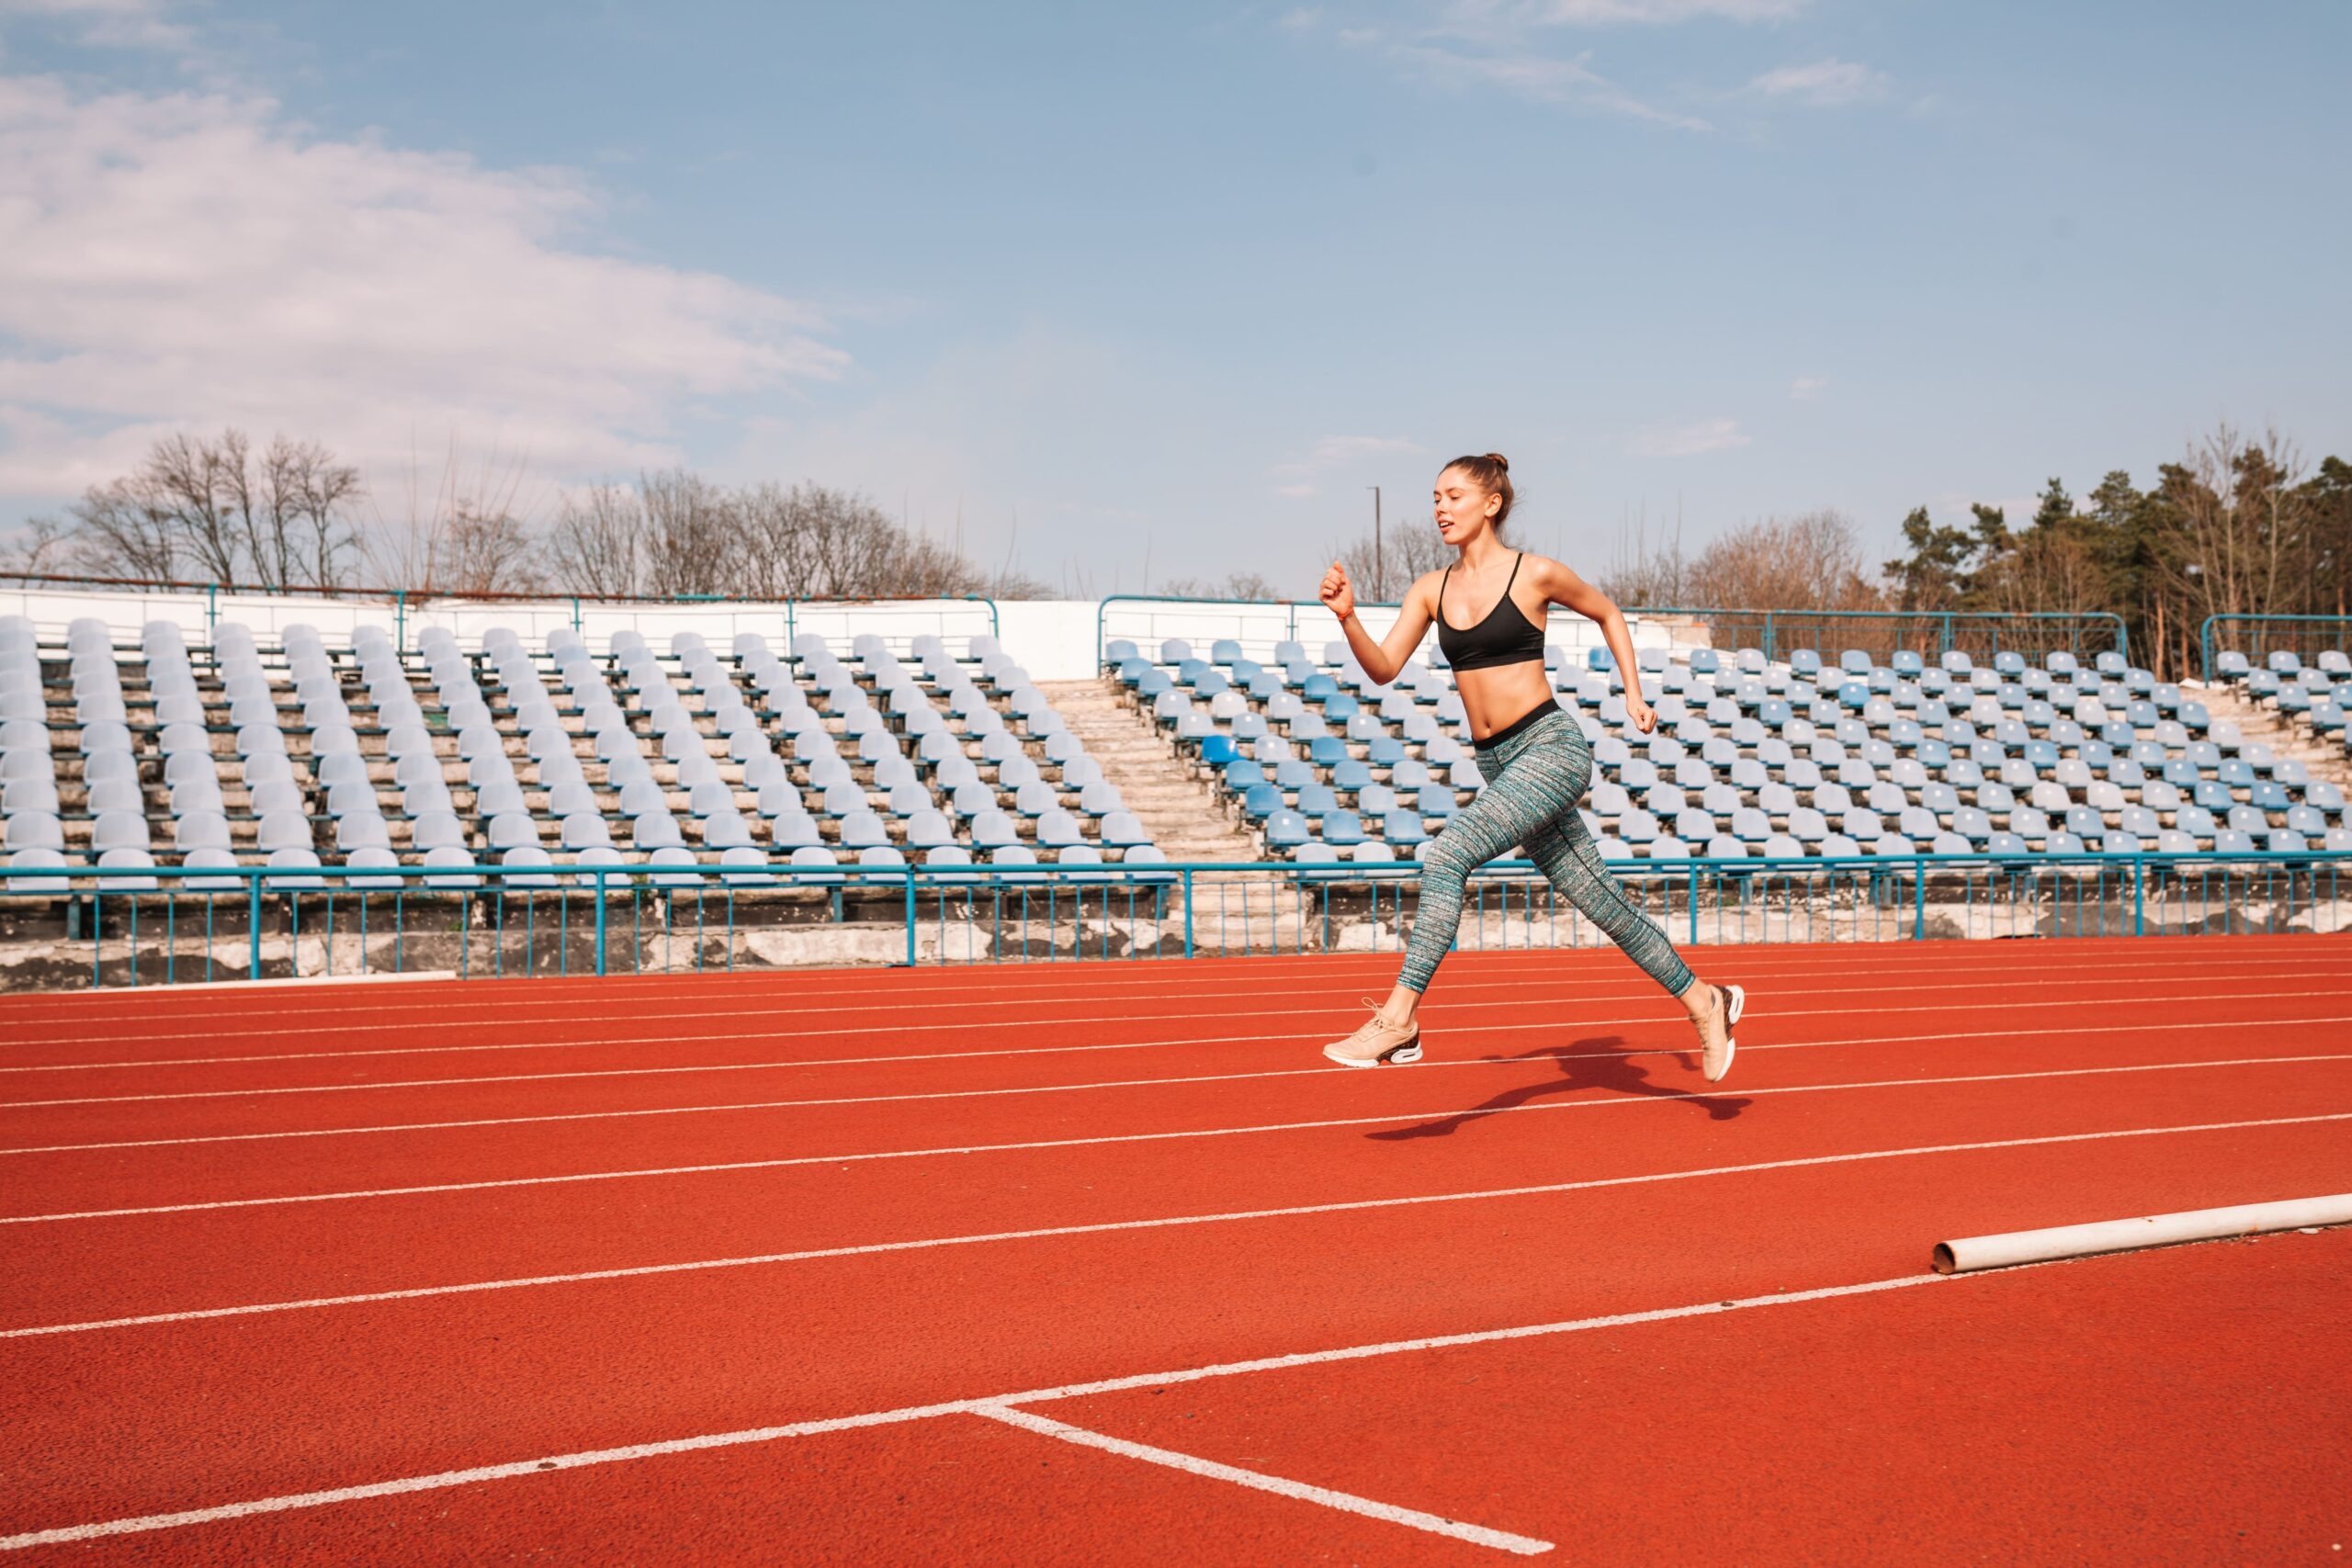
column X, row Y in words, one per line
column 846, row 1110
column 173, row 1415
column 161, row 1025
column 149, row 1106
column 1605, row 1115
column 131, row 1068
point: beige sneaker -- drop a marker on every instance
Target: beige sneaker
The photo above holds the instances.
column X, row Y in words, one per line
column 1716, row 1046
column 1377, row 1042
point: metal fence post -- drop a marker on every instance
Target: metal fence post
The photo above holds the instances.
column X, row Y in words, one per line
column 1919, row 900
column 910, row 917
column 1187, row 875
column 399, row 620
column 1694, row 903
column 2139, row 896
column 600, row 922
column 253, row 923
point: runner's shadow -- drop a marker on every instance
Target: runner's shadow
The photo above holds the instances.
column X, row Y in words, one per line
column 1583, row 1066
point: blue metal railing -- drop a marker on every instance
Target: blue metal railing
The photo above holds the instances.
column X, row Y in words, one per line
column 1778, row 633
column 2324, row 632
column 1980, row 634
column 134, row 926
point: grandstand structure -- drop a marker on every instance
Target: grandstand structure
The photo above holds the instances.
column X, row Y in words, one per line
column 872, row 768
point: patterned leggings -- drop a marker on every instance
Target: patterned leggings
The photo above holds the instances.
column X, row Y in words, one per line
column 1534, row 779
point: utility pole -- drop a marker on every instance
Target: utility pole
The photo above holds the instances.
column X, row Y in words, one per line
column 1379, row 568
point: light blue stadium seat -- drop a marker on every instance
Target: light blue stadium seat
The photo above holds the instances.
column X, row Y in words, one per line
column 656, row 830
column 794, row 830
column 1403, row 828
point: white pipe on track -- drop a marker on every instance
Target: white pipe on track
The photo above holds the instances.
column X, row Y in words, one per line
column 1969, row 1254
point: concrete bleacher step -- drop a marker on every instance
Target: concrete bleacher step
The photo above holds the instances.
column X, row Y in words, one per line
column 2258, row 725
column 1178, row 810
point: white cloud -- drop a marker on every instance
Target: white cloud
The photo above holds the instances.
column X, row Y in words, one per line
column 1339, row 451
column 1825, row 84
column 112, row 24
column 1482, row 45
column 1807, row 387
column 1545, row 78
column 194, row 260
column 1602, row 13
column 1688, row 440
column 1297, row 491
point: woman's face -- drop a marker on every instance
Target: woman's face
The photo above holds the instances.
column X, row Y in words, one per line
column 1460, row 506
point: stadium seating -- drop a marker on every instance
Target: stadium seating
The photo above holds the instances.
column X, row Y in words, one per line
column 1752, row 757
column 135, row 754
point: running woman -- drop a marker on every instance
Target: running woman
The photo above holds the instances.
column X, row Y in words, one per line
column 1530, row 751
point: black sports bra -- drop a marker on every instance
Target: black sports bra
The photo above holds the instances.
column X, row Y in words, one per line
column 1490, row 642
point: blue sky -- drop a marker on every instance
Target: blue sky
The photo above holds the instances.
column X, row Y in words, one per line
column 1173, row 284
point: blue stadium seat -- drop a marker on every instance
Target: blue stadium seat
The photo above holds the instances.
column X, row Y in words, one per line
column 1403, row 828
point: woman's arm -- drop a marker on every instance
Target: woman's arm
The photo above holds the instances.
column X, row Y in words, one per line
column 1563, row 586
column 1382, row 659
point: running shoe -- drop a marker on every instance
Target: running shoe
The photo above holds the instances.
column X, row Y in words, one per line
column 1715, row 1044
column 1377, row 1042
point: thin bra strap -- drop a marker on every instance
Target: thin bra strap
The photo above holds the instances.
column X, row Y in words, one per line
column 1514, row 573
column 1441, row 593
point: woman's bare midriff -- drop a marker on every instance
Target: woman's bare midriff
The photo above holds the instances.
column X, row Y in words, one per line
column 1501, row 693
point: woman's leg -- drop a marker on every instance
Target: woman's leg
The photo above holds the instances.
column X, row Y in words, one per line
column 1564, row 851
column 1535, row 785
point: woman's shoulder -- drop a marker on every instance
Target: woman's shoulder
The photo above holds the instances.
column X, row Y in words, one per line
column 1543, row 570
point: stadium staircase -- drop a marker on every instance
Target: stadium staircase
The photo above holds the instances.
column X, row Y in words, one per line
column 1177, row 806
column 2264, row 725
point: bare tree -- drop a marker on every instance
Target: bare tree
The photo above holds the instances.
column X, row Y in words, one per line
column 2046, row 571
column 465, row 531
column 211, row 508
column 1642, row 574
column 2237, row 521
column 306, row 496
column 1813, row 561
column 1246, row 586
column 41, row 549
column 118, row 530
column 598, row 543
column 1404, row 554
column 693, row 538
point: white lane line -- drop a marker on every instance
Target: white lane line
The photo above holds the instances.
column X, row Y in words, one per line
column 786, row 1162
column 2070, row 1032
column 516, row 1469
column 1493, row 976
column 706, row 1265
column 1522, row 999
column 1345, row 1501
column 1778, row 1013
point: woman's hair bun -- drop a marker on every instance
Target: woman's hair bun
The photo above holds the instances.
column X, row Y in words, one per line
column 1498, row 460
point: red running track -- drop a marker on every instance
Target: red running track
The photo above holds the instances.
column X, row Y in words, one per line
column 820, row 1267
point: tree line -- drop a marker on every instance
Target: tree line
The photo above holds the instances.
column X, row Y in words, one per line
column 290, row 515
column 2237, row 525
